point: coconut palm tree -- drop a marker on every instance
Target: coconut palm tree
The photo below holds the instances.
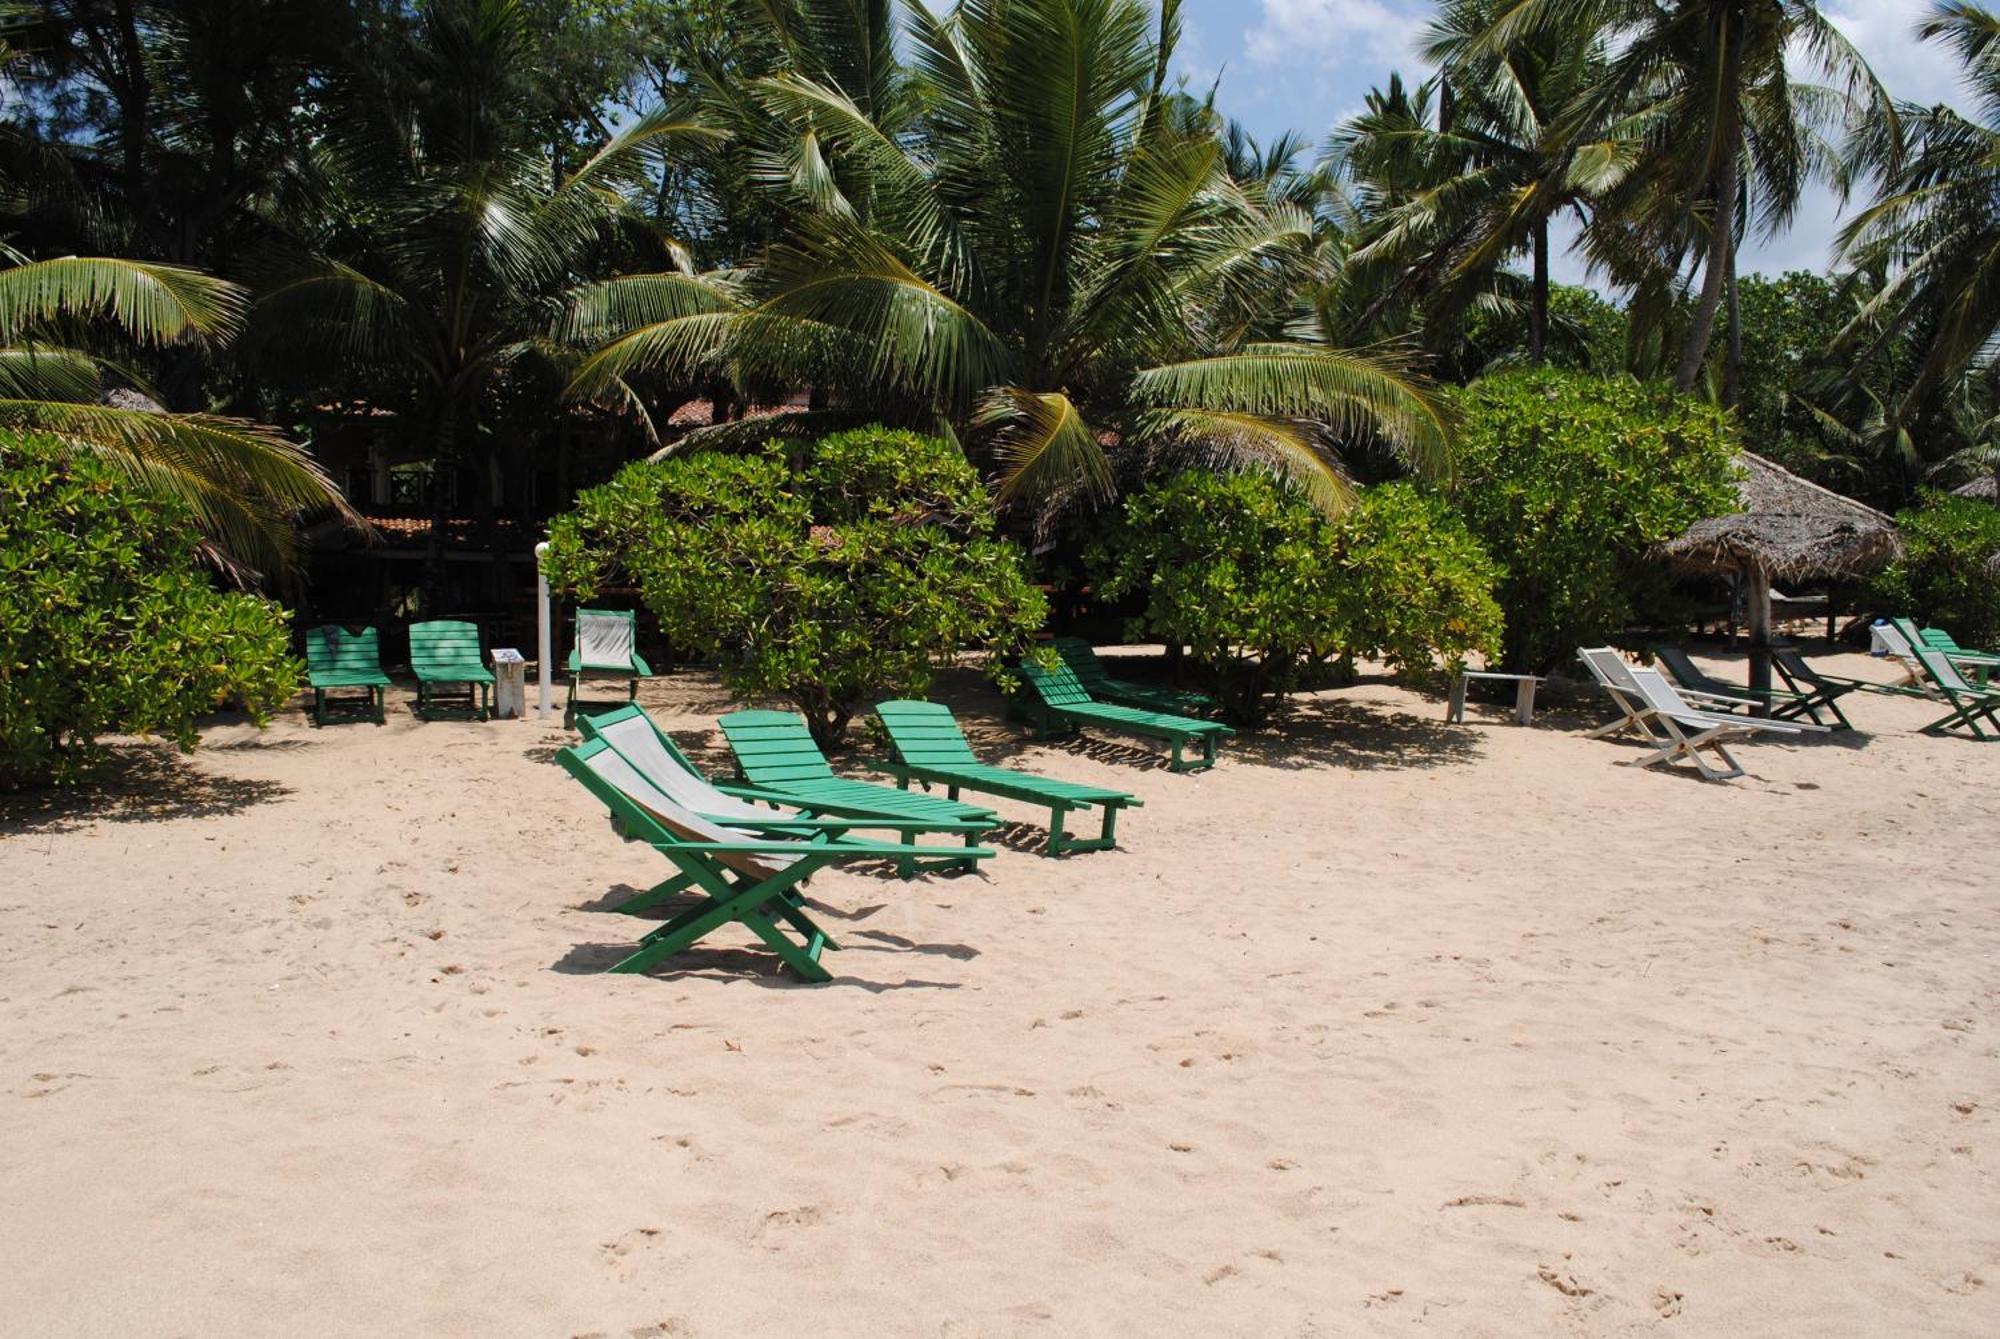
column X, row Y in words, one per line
column 1933, row 230
column 243, row 482
column 1731, row 136
column 1039, row 246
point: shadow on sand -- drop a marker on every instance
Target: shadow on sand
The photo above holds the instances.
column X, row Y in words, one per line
column 142, row 783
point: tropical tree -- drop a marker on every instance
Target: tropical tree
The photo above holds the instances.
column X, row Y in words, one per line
column 241, row 483
column 442, row 285
column 1933, row 231
column 1729, row 136
column 1026, row 234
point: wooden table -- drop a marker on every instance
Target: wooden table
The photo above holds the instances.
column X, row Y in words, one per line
column 1524, row 694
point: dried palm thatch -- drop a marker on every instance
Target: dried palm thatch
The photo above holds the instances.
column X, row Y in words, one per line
column 1790, row 530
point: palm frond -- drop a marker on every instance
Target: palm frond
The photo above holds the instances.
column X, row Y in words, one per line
column 1290, row 449
column 153, row 304
column 1043, row 444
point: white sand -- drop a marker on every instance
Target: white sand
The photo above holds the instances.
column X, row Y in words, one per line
column 1382, row 1025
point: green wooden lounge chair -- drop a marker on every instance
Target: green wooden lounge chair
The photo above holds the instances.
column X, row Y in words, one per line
column 337, row 658
column 1705, row 689
column 1816, row 691
column 655, row 756
column 1090, row 671
column 1970, row 703
column 747, row 872
column 446, row 652
column 1061, row 705
column 775, row 753
column 931, row 750
column 606, row 648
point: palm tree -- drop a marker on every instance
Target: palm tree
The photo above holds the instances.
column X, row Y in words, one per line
column 243, row 482
column 1730, row 136
column 1027, row 235
column 446, row 284
column 1933, row 230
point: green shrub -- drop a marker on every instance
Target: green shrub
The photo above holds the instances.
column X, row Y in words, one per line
column 832, row 573
column 1261, row 587
column 1942, row 578
column 1569, row 481
column 108, row 624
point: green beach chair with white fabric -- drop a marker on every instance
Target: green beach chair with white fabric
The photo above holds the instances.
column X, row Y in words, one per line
column 606, row 647
column 1971, row 703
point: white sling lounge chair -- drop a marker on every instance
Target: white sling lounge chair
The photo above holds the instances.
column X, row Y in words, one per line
column 1685, row 730
column 1614, row 676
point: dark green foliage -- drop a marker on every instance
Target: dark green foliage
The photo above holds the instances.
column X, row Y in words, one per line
column 849, row 570
column 1569, row 480
column 1262, row 587
column 108, row 623
column 1942, row 580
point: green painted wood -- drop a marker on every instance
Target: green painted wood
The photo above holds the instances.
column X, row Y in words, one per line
column 444, row 652
column 1097, row 680
column 339, row 658
column 1063, row 703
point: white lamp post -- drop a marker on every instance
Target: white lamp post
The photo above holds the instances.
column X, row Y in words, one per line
column 545, row 650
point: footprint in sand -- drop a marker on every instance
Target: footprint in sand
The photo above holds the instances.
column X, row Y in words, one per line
column 1667, row 1303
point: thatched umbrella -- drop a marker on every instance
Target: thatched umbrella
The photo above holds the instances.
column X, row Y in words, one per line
column 1791, row 530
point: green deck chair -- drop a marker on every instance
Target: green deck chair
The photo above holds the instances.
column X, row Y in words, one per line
column 1090, row 671
column 657, row 758
column 776, row 753
column 607, row 647
column 931, row 750
column 444, row 652
column 1970, row 703
column 1816, row 691
column 1781, row 704
column 337, row 658
column 742, row 871
column 1980, row 663
column 1062, row 705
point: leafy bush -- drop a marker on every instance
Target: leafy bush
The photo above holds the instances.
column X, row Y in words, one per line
column 1942, row 579
column 1569, row 480
column 1261, row 587
column 108, row 624
column 829, row 573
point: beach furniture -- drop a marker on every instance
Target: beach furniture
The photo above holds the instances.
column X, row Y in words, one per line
column 1524, row 693
column 747, row 871
column 606, row 647
column 655, row 756
column 1687, row 731
column 338, row 658
column 1816, row 691
column 1695, row 682
column 776, row 754
column 444, row 653
column 1980, row 663
column 1970, row 703
column 931, row 750
column 1097, row 680
column 1614, row 676
column 1061, row 705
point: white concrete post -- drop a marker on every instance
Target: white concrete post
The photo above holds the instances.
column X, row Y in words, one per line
column 545, row 648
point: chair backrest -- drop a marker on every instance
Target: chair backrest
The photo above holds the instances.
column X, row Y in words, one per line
column 773, row 747
column 1939, row 640
column 1661, row 697
column 606, row 638
column 444, row 643
column 924, row 733
column 1940, row 668
column 1609, row 667
column 1083, row 661
column 649, row 812
column 1901, row 638
column 332, row 649
column 1797, row 666
column 1686, row 673
column 631, row 733
column 1058, row 687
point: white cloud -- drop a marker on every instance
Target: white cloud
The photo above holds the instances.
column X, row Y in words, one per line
column 1339, row 30
column 1885, row 32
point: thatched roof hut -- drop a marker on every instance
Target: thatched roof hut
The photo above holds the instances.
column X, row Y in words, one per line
column 1790, row 529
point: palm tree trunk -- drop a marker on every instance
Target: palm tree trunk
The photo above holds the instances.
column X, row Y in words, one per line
column 444, row 469
column 1732, row 363
column 1714, row 275
column 1538, row 309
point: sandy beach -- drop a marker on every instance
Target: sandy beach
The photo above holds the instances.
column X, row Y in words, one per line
column 1382, row 1026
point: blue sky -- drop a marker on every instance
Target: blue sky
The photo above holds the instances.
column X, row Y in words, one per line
column 1306, row 64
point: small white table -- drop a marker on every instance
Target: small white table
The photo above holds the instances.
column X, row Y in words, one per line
column 510, row 682
column 1524, row 694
